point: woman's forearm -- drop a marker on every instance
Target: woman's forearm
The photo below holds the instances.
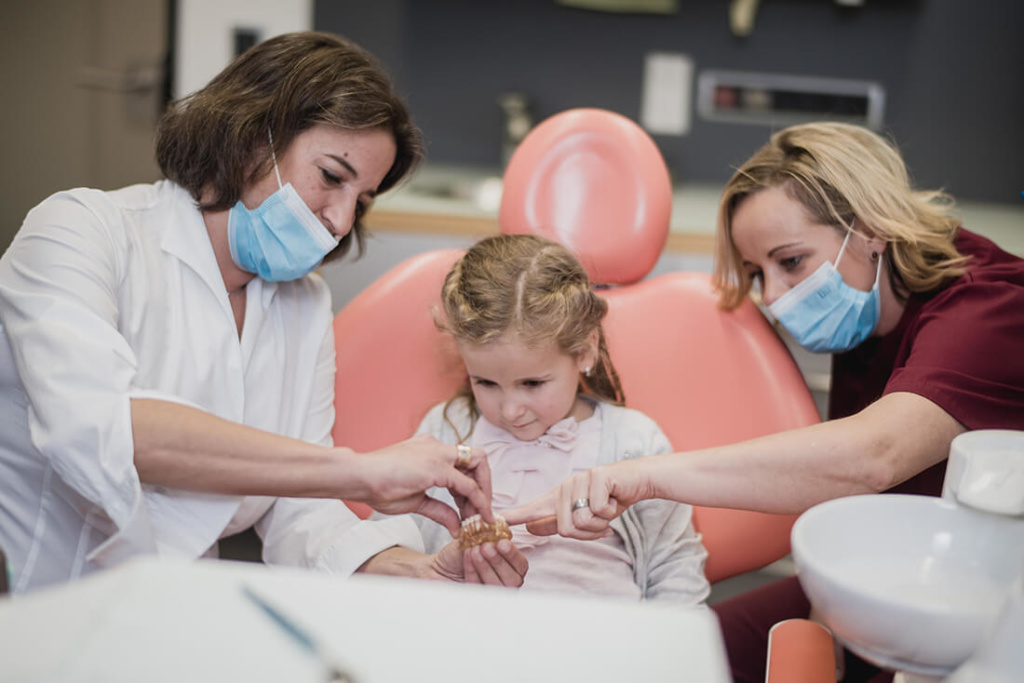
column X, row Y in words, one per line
column 771, row 474
column 895, row 438
column 183, row 447
column 889, row 442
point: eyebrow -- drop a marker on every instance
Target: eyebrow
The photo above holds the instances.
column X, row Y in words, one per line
column 351, row 169
column 782, row 246
column 532, row 378
column 344, row 162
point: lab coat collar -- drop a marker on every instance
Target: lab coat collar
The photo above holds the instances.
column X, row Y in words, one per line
column 184, row 236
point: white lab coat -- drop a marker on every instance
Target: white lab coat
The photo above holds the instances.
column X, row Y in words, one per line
column 109, row 296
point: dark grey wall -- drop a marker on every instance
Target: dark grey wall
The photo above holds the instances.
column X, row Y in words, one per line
column 953, row 71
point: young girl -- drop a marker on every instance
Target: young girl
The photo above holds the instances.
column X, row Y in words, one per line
column 544, row 401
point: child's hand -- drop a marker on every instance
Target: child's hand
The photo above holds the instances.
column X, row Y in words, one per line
column 491, row 564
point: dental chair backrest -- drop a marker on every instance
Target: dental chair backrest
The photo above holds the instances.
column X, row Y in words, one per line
column 594, row 181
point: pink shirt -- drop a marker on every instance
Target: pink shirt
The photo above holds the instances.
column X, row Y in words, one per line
column 524, row 470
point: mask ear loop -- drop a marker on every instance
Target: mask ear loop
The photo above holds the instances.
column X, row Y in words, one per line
column 274, row 157
column 849, row 231
column 875, row 256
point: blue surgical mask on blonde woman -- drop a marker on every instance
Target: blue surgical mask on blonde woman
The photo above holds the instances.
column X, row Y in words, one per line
column 826, row 315
column 785, row 253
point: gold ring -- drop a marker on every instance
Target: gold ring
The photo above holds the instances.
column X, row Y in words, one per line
column 465, row 452
column 580, row 503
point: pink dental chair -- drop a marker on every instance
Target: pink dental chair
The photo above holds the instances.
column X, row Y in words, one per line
column 594, row 181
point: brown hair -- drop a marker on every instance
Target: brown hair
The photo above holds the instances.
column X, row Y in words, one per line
column 534, row 290
column 840, row 172
column 218, row 138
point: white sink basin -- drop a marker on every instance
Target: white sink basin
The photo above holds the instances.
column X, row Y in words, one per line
column 911, row 583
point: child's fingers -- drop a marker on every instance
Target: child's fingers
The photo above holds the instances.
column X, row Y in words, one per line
column 484, row 569
column 500, row 568
column 514, row 559
column 469, row 573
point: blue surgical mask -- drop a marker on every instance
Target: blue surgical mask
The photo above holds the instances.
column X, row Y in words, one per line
column 826, row 315
column 281, row 239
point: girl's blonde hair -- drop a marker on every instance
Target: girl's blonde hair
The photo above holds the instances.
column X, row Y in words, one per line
column 839, row 172
column 533, row 290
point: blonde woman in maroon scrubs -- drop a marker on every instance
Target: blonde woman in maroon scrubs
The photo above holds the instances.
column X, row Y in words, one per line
column 925, row 320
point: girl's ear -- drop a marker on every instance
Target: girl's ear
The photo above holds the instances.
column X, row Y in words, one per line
column 587, row 359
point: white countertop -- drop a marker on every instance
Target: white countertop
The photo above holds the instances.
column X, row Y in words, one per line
column 471, row 195
column 203, row 622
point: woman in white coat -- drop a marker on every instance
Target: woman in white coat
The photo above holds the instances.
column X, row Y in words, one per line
column 167, row 359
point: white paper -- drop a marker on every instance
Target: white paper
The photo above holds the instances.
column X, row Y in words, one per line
column 666, row 102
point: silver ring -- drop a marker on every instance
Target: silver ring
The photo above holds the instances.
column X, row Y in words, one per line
column 465, row 453
column 580, row 503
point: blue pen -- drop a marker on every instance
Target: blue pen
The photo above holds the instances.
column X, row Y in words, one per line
column 333, row 672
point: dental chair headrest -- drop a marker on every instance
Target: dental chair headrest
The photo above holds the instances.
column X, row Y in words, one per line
column 594, row 181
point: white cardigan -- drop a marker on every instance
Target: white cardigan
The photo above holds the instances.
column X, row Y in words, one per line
column 668, row 556
column 110, row 296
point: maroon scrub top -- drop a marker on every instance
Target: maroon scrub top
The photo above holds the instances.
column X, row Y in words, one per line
column 961, row 347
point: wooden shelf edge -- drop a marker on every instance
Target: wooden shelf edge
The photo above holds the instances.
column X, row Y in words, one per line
column 439, row 224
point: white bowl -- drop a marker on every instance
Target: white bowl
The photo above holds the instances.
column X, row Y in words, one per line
column 909, row 582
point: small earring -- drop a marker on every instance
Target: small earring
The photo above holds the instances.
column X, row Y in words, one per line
column 586, row 371
column 874, row 256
